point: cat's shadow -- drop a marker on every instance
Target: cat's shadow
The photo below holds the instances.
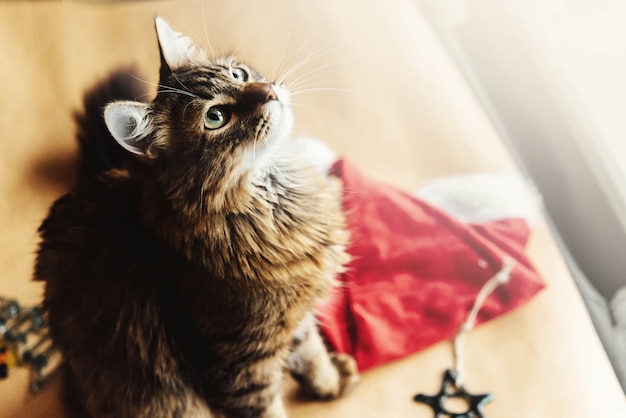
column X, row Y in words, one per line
column 52, row 173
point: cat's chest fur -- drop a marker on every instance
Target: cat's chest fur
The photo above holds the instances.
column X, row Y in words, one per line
column 268, row 263
column 284, row 230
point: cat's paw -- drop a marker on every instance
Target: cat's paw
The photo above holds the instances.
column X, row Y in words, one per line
column 345, row 377
column 348, row 372
column 329, row 376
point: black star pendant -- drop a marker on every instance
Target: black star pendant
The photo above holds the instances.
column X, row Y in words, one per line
column 449, row 390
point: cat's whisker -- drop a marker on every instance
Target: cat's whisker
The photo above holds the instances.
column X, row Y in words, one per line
column 232, row 52
column 322, row 82
column 206, row 31
column 329, row 68
column 327, row 64
column 327, row 82
column 319, row 80
column 307, row 42
column 284, row 54
column 321, row 71
column 144, row 95
column 256, row 137
column 295, row 68
column 164, row 89
column 187, row 105
column 322, row 78
column 180, row 82
column 322, row 89
column 303, row 62
column 301, row 105
column 177, row 91
column 314, row 85
column 143, row 81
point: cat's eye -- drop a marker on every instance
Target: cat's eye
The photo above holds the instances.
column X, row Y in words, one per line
column 239, row 74
column 216, row 117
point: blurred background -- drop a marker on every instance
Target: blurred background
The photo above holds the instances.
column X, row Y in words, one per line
column 551, row 75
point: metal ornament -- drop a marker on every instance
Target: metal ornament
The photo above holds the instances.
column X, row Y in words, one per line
column 25, row 341
column 452, row 386
column 450, row 390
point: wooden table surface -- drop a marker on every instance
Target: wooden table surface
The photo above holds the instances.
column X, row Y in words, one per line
column 392, row 101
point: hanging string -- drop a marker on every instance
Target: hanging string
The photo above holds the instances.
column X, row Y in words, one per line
column 492, row 284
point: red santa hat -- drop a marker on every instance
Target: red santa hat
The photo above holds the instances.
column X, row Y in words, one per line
column 418, row 263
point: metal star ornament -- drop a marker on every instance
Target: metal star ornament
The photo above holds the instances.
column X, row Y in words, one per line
column 450, row 390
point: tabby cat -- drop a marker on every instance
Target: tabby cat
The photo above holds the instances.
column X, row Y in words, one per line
column 183, row 283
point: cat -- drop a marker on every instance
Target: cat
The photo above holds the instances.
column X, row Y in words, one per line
column 183, row 281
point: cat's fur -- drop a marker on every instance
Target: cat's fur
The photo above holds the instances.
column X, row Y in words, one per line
column 187, row 281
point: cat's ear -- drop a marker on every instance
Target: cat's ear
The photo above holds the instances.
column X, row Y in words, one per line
column 130, row 124
column 176, row 49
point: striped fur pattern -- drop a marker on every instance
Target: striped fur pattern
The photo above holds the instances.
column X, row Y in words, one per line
column 184, row 284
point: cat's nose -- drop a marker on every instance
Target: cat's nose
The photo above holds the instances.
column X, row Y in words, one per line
column 271, row 94
column 258, row 93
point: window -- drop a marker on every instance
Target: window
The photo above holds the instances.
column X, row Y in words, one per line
column 551, row 74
